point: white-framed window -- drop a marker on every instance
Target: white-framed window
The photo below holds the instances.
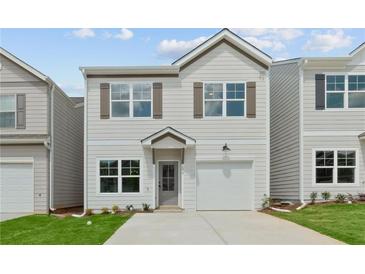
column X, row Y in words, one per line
column 335, row 91
column 224, row 99
column 345, row 91
column 108, row 173
column 119, row 176
column 335, row 166
column 356, row 87
column 131, row 100
column 7, row 111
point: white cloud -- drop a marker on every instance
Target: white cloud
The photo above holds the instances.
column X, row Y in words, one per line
column 327, row 41
column 83, row 33
column 262, row 44
column 175, row 48
column 124, row 34
column 276, row 34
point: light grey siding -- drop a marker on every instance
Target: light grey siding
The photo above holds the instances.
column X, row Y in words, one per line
column 285, row 131
column 330, row 120
column 223, row 63
column 41, row 170
column 332, row 142
column 68, row 151
column 16, row 80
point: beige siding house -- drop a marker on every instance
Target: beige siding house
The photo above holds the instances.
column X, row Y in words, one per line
column 41, row 141
column 193, row 135
column 321, row 129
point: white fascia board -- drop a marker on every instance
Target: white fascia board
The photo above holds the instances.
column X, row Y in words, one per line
column 131, row 70
column 225, row 34
column 357, row 50
column 21, row 141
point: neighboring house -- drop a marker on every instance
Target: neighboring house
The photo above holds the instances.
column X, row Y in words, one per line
column 41, row 141
column 318, row 126
column 194, row 134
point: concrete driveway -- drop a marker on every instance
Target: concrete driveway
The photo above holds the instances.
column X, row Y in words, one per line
column 9, row 216
column 214, row 227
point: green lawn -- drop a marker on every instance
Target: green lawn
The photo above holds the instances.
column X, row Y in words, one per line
column 44, row 229
column 343, row 222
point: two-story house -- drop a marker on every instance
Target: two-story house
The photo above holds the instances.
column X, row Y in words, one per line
column 318, row 126
column 41, row 141
column 193, row 135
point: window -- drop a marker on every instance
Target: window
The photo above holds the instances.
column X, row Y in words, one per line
column 346, row 166
column 335, row 90
column 131, row 100
column 356, row 87
column 108, row 176
column 335, row 166
column 168, row 177
column 7, row 111
column 130, row 176
column 235, row 99
column 119, row 176
column 224, row 99
column 141, row 100
column 213, row 99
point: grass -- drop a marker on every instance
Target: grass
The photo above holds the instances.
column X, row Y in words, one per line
column 51, row 230
column 344, row 222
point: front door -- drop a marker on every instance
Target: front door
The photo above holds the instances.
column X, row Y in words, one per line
column 168, row 183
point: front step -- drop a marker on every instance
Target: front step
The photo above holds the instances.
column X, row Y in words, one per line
column 168, row 209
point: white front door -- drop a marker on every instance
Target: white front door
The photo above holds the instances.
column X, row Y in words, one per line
column 168, row 183
column 16, row 187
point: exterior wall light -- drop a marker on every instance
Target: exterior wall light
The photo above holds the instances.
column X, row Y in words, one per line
column 226, row 148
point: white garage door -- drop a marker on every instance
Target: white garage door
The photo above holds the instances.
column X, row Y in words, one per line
column 225, row 185
column 16, row 186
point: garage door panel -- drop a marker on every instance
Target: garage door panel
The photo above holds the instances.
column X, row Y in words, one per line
column 16, row 187
column 225, row 185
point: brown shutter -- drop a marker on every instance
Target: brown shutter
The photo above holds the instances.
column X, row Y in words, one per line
column 157, row 100
column 20, row 111
column 198, row 100
column 251, row 99
column 320, row 91
column 104, row 100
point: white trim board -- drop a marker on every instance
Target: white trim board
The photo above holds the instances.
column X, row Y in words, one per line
column 331, row 133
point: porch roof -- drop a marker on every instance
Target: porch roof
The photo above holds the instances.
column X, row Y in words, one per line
column 171, row 137
column 362, row 136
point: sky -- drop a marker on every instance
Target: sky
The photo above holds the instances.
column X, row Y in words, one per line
column 58, row 53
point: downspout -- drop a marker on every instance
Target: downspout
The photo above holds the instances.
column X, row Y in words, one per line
column 85, row 140
column 301, row 126
column 51, row 152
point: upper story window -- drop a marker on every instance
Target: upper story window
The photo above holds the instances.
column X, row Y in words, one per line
column 345, row 91
column 131, row 100
column 335, row 89
column 7, row 111
column 356, row 91
column 224, row 99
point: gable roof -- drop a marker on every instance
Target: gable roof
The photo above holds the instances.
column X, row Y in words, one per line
column 24, row 65
column 357, row 49
column 232, row 39
column 168, row 131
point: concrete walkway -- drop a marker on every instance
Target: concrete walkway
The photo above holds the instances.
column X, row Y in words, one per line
column 214, row 227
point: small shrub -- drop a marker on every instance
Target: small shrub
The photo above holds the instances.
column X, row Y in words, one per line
column 326, row 195
column 313, row 197
column 105, row 210
column 89, row 212
column 350, row 198
column 266, row 201
column 115, row 209
column 340, row 198
column 129, row 207
column 145, row 207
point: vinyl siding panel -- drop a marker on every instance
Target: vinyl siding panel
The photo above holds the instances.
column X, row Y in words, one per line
column 41, row 168
column 332, row 142
column 221, row 64
column 284, row 131
column 332, row 120
column 68, row 152
column 12, row 72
